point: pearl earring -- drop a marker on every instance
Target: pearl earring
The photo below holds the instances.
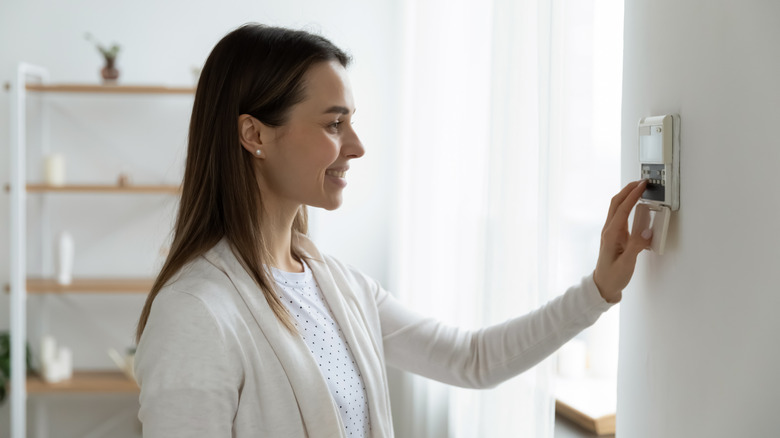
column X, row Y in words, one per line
column 258, row 152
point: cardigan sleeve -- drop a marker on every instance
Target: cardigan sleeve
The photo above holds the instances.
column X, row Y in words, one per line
column 189, row 384
column 484, row 358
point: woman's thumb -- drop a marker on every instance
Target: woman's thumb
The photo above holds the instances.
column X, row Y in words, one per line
column 640, row 241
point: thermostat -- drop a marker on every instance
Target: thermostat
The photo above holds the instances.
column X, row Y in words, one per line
column 659, row 164
column 659, row 159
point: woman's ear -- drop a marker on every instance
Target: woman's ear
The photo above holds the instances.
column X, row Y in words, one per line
column 249, row 134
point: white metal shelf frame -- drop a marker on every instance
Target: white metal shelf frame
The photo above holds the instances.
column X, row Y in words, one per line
column 17, row 246
column 31, row 78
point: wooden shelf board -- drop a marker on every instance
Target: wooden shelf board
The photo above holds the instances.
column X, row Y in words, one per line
column 85, row 381
column 88, row 285
column 600, row 426
column 109, row 89
column 100, row 188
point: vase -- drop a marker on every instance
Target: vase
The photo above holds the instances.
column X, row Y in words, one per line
column 110, row 73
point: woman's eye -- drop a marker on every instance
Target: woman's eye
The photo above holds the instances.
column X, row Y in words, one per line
column 335, row 125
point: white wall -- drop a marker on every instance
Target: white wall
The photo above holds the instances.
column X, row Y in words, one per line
column 160, row 42
column 699, row 325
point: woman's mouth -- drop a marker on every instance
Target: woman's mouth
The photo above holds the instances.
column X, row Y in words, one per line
column 336, row 173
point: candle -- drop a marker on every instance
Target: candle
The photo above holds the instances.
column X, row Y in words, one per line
column 55, row 170
column 65, row 253
column 49, row 356
column 65, row 362
column 48, row 350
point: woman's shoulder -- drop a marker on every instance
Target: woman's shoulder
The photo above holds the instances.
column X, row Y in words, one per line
column 346, row 269
column 189, row 329
column 199, row 286
column 353, row 281
column 198, row 277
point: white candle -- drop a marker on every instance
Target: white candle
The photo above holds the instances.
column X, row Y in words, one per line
column 52, row 372
column 65, row 254
column 50, row 366
column 55, row 170
column 48, row 351
column 65, row 362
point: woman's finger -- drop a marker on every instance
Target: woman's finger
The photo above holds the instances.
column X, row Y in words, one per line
column 619, row 198
column 624, row 209
column 639, row 240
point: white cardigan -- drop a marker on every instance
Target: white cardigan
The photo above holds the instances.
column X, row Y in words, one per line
column 214, row 361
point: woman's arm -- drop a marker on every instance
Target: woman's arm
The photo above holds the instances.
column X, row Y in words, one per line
column 484, row 358
column 188, row 386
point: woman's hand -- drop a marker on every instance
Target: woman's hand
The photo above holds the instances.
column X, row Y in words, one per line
column 617, row 256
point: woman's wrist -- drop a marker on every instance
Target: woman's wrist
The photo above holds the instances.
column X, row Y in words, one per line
column 612, row 297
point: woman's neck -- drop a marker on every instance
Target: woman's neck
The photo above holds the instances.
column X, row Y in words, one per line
column 276, row 228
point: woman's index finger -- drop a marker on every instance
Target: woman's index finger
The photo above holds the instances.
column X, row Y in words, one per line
column 618, row 199
column 625, row 207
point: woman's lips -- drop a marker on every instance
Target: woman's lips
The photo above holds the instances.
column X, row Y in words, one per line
column 336, row 176
column 336, row 173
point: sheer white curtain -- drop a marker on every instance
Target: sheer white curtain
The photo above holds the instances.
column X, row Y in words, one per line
column 509, row 156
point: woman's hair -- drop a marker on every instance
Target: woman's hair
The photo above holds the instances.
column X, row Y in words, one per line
column 256, row 70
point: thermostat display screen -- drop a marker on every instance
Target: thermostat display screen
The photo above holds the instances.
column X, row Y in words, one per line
column 651, row 146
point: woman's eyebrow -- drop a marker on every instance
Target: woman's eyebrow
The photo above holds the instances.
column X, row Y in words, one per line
column 338, row 110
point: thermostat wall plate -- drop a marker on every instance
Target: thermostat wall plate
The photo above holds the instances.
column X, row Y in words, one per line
column 657, row 219
column 659, row 164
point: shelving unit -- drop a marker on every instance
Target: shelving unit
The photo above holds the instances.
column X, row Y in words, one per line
column 103, row 188
column 108, row 89
column 21, row 284
column 88, row 285
column 85, row 381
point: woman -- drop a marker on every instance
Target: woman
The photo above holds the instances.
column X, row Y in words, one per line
column 249, row 330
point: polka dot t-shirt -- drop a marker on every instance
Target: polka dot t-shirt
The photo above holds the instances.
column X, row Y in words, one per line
column 302, row 296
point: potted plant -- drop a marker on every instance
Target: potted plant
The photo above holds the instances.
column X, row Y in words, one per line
column 5, row 362
column 109, row 72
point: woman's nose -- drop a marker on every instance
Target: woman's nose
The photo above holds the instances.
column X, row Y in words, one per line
column 353, row 147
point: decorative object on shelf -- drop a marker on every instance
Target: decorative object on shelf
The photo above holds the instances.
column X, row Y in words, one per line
column 109, row 73
column 65, row 254
column 125, row 363
column 5, row 362
column 123, row 180
column 56, row 362
column 54, row 170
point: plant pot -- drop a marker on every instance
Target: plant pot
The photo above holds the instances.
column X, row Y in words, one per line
column 109, row 73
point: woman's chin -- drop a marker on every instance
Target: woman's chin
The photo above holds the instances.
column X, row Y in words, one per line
column 329, row 205
column 332, row 207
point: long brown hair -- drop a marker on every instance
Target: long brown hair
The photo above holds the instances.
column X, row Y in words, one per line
column 256, row 70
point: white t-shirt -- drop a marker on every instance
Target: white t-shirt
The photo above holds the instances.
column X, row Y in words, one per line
column 313, row 319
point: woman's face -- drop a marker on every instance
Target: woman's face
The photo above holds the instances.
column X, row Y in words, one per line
column 306, row 160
